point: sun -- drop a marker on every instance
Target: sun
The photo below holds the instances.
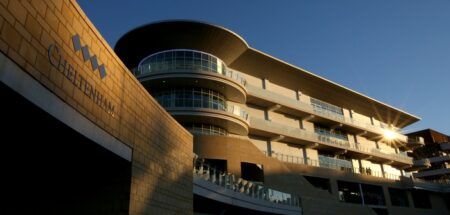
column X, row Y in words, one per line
column 389, row 134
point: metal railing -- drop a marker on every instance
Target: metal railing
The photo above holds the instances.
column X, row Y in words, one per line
column 323, row 112
column 333, row 163
column 333, row 140
column 184, row 59
column 249, row 188
column 232, row 109
column 238, row 111
column 314, row 137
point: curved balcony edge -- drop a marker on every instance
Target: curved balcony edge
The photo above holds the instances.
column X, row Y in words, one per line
column 233, row 89
column 232, row 122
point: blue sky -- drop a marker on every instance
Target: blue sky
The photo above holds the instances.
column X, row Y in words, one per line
column 397, row 52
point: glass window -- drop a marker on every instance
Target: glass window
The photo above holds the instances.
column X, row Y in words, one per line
column 185, row 59
column 398, row 197
column 373, row 195
column 191, row 97
column 421, row 199
column 197, row 55
column 204, row 129
column 349, row 192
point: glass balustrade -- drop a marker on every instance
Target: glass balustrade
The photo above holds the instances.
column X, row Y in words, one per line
column 205, row 129
column 321, row 138
column 184, row 59
column 197, row 98
column 248, row 188
column 332, row 163
column 326, row 110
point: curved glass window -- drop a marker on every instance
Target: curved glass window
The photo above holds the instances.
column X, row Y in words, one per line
column 191, row 97
column 183, row 59
column 205, row 129
column 197, row 98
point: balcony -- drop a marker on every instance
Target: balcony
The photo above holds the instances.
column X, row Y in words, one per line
column 433, row 172
column 190, row 68
column 415, row 142
column 420, row 165
column 226, row 188
column 445, row 146
column 332, row 163
column 271, row 130
column 439, row 159
column 232, row 118
column 302, row 110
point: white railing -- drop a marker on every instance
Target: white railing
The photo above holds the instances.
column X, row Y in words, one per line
column 238, row 111
column 249, row 188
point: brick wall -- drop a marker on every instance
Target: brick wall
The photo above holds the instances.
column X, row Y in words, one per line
column 162, row 149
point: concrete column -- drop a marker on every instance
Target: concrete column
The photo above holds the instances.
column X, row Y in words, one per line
column 265, row 83
column 334, row 188
column 355, row 138
column 269, row 148
column 266, row 115
column 410, row 199
column 382, row 170
column 362, row 194
column 387, row 197
column 305, row 156
column 234, row 166
column 360, row 166
column 298, row 94
column 300, row 123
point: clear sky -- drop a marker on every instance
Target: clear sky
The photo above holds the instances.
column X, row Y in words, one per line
column 397, row 52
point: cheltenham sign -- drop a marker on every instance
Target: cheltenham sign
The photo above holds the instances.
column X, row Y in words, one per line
column 57, row 60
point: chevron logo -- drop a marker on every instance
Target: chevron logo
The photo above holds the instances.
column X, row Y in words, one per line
column 87, row 56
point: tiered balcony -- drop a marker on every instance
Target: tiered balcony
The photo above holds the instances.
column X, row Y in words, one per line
column 332, row 163
column 431, row 185
column 415, row 142
column 234, row 119
column 265, row 128
column 441, row 161
column 266, row 98
column 420, row 165
column 181, row 67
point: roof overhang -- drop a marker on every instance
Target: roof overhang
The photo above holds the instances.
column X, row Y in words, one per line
column 237, row 54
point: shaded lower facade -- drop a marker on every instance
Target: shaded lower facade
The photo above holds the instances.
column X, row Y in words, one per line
column 49, row 168
column 336, row 191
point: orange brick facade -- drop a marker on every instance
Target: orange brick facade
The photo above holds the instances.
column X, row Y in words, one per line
column 162, row 149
